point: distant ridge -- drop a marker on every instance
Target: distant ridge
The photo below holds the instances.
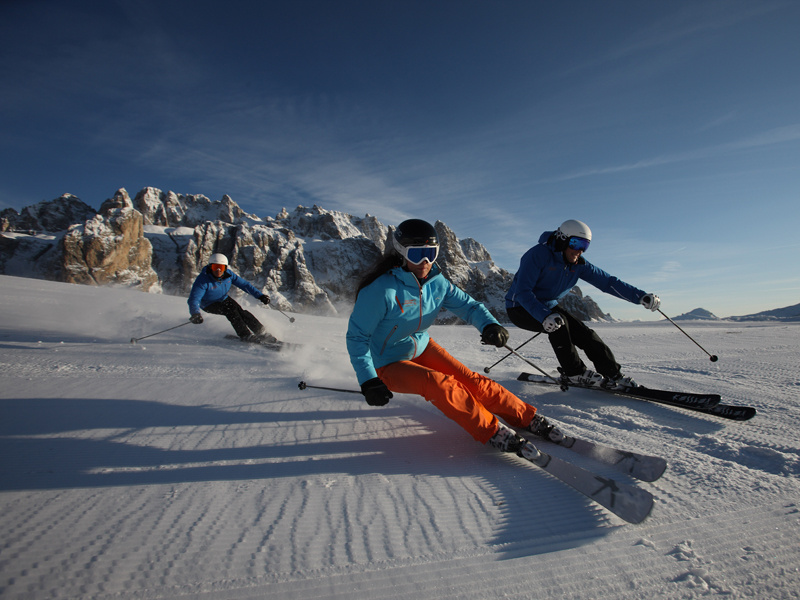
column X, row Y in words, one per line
column 788, row 313
column 698, row 314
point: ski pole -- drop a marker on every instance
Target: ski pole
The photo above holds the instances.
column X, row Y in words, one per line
column 134, row 340
column 291, row 319
column 713, row 357
column 515, row 353
column 487, row 369
column 303, row 385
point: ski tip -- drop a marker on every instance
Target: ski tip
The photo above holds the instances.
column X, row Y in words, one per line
column 643, row 511
column 656, row 468
column 634, row 506
column 731, row 412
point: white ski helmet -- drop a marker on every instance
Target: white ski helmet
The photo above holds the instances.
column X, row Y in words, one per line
column 218, row 259
column 573, row 228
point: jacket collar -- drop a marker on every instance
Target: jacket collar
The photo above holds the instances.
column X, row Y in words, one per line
column 408, row 278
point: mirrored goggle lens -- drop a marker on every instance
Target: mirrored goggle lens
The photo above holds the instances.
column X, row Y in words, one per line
column 578, row 243
column 417, row 254
column 218, row 267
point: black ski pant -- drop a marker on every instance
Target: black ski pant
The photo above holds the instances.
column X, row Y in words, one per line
column 243, row 321
column 565, row 339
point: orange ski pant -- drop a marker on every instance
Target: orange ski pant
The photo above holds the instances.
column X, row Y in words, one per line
column 468, row 398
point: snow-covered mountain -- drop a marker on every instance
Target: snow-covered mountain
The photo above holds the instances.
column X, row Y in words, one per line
column 788, row 313
column 308, row 260
column 698, row 314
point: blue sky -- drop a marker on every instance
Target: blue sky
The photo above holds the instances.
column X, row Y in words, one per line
column 671, row 128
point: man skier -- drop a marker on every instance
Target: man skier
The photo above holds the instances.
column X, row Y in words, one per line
column 210, row 292
column 547, row 272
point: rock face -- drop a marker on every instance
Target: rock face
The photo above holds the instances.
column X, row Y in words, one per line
column 468, row 265
column 109, row 248
column 583, row 307
column 309, row 260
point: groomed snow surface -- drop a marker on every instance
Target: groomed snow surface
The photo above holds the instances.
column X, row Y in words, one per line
column 191, row 466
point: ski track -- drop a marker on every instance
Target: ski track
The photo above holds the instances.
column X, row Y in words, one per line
column 191, row 466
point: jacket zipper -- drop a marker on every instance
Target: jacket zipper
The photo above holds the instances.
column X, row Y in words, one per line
column 419, row 323
column 388, row 337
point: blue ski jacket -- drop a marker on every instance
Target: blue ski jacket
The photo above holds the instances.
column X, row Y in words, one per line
column 391, row 317
column 544, row 277
column 207, row 289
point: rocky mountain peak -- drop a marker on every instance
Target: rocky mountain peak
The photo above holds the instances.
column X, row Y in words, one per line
column 47, row 216
column 307, row 260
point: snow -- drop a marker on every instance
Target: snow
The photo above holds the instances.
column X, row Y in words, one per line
column 191, row 466
column 170, row 231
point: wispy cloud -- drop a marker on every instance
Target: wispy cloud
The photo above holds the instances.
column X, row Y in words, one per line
column 774, row 136
column 668, row 271
column 695, row 20
column 718, row 121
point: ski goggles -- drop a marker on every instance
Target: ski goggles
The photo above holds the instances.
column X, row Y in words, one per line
column 218, row 269
column 416, row 255
column 578, row 243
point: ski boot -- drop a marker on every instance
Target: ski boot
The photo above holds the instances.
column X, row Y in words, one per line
column 508, row 440
column 260, row 338
column 588, row 378
column 619, row 382
column 544, row 429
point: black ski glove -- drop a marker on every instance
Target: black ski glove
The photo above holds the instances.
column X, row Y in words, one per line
column 376, row 392
column 494, row 335
column 196, row 318
column 264, row 299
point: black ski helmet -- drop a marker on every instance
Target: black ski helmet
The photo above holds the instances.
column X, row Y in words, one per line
column 416, row 232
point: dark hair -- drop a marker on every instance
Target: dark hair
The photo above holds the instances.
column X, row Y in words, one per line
column 387, row 262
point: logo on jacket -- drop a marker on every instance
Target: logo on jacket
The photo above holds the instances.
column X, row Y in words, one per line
column 403, row 305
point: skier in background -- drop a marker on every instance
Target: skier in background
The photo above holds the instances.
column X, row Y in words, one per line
column 547, row 272
column 391, row 350
column 210, row 293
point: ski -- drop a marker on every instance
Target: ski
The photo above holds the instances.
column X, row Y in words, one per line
column 668, row 397
column 730, row 411
column 703, row 403
column 626, row 501
column 276, row 345
column 641, row 466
